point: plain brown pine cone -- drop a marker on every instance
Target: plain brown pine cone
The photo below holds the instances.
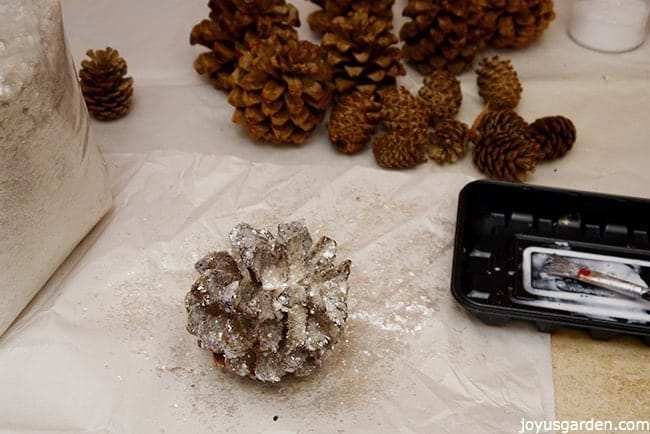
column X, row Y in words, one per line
column 441, row 93
column 516, row 23
column 443, row 34
column 104, row 85
column 281, row 89
column 497, row 120
column 353, row 121
column 230, row 27
column 362, row 52
column 399, row 149
column 555, row 135
column 320, row 20
column 504, row 155
column 449, row 141
column 498, row 83
column 401, row 110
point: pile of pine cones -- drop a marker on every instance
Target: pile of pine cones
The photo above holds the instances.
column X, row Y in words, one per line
column 281, row 87
column 506, row 146
column 448, row 34
column 424, row 125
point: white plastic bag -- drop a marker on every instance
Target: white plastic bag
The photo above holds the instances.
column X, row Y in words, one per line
column 53, row 180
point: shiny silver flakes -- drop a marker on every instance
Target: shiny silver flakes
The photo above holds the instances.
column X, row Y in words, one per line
column 274, row 305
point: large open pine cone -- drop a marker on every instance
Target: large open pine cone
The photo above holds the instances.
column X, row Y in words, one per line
column 401, row 110
column 361, row 50
column 231, row 26
column 441, row 93
column 504, row 155
column 442, row 34
column 271, row 306
column 516, row 23
column 449, row 141
column 401, row 149
column 281, row 89
column 555, row 135
column 498, row 83
column 353, row 121
column 104, row 85
column 321, row 20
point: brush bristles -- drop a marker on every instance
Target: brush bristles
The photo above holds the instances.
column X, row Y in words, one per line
column 558, row 266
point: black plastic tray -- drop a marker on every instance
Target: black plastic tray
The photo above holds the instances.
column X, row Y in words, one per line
column 496, row 220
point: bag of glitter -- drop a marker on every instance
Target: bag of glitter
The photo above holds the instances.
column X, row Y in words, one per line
column 53, row 179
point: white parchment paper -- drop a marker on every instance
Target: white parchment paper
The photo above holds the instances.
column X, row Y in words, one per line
column 104, row 347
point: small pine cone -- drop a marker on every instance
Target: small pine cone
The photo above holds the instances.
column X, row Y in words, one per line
column 515, row 24
column 105, row 87
column 498, row 83
column 555, row 135
column 449, row 141
column 281, row 89
column 504, row 155
column 231, row 26
column 353, row 121
column 321, row 20
column 497, row 120
column 441, row 93
column 401, row 149
column 443, row 34
column 401, row 110
column 361, row 50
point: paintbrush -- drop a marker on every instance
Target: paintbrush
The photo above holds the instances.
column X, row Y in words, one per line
column 562, row 267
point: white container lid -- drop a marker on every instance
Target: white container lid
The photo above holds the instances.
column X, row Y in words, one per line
column 609, row 25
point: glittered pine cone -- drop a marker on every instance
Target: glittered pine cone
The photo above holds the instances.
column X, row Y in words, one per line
column 516, row 23
column 321, row 20
column 361, row 50
column 497, row 120
column 504, row 155
column 401, row 110
column 104, row 85
column 498, row 83
column 273, row 305
column 441, row 93
column 555, row 135
column 442, row 34
column 353, row 121
column 281, row 89
column 401, row 149
column 231, row 26
column 449, row 141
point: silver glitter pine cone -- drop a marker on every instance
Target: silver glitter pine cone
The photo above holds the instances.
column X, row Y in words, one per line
column 273, row 305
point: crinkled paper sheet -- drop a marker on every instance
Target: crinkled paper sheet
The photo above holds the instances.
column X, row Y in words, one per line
column 104, row 348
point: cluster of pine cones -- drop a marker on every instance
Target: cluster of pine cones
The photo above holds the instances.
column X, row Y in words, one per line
column 450, row 33
column 357, row 42
column 281, row 86
column 505, row 145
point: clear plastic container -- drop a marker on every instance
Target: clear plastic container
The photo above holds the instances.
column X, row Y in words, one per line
column 53, row 179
